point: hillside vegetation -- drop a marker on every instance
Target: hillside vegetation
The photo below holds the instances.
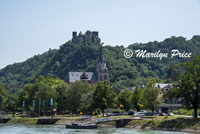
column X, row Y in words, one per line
column 83, row 56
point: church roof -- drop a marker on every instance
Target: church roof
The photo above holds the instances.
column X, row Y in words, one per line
column 84, row 76
column 76, row 76
column 163, row 85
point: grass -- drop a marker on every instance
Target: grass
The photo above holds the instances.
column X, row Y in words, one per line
column 23, row 121
column 11, row 115
column 183, row 111
column 169, row 117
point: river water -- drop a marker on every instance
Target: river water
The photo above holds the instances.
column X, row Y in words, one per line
column 60, row 129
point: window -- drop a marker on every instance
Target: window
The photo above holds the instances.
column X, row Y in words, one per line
column 105, row 77
column 100, row 77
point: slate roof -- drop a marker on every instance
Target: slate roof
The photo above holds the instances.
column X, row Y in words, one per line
column 163, row 85
column 76, row 76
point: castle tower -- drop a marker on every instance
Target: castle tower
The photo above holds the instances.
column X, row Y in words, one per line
column 74, row 35
column 101, row 69
column 95, row 34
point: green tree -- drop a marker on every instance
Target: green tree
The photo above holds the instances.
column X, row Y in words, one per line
column 189, row 83
column 63, row 95
column 124, row 98
column 152, row 95
column 11, row 103
column 77, row 90
column 171, row 94
column 103, row 96
column 26, row 95
column 137, row 98
column 3, row 96
column 46, row 92
column 86, row 101
column 45, row 88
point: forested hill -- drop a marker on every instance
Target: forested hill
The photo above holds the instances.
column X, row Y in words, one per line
column 83, row 56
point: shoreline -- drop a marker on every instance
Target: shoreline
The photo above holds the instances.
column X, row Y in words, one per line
column 176, row 125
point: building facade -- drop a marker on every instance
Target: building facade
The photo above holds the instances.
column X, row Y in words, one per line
column 100, row 74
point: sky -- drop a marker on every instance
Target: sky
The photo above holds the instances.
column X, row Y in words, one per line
column 31, row 27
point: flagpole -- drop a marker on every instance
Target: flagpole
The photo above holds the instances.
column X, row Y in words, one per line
column 33, row 106
column 51, row 104
column 23, row 104
column 43, row 106
column 39, row 111
column 39, row 106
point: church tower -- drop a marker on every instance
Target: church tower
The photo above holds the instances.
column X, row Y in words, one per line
column 101, row 69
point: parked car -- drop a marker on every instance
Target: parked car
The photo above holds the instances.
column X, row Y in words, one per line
column 156, row 114
column 131, row 113
column 109, row 114
column 139, row 114
column 170, row 114
column 149, row 114
column 124, row 113
column 144, row 111
column 116, row 113
column 163, row 114
column 23, row 116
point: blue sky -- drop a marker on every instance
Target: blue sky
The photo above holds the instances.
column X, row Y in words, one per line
column 30, row 27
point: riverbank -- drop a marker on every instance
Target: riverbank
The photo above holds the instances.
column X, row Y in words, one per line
column 179, row 124
column 176, row 124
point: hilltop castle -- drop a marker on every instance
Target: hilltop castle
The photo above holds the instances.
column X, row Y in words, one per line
column 100, row 74
column 87, row 36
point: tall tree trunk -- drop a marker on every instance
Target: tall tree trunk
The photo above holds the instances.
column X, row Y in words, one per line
column 103, row 112
column 195, row 107
column 13, row 115
column 152, row 110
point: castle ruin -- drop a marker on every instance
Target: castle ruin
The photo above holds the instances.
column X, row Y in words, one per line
column 87, row 36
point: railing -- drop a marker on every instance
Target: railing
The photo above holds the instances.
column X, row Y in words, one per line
column 102, row 120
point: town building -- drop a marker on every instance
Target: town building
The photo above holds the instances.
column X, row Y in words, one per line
column 100, row 74
column 167, row 104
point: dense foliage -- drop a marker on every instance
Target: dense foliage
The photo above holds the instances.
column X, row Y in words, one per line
column 83, row 56
column 42, row 91
column 125, row 99
column 104, row 96
column 3, row 95
column 188, row 84
column 152, row 95
column 137, row 98
column 47, row 93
